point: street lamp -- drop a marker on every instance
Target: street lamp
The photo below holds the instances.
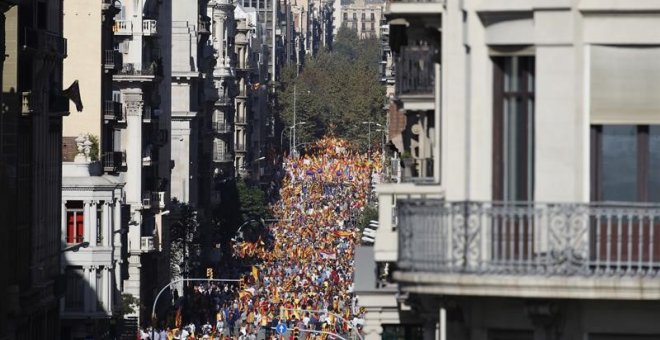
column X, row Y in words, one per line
column 292, row 141
column 369, row 146
column 295, row 95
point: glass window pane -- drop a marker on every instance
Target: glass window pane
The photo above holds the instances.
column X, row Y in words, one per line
column 619, row 163
column 654, row 163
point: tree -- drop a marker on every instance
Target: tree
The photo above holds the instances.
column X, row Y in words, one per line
column 336, row 91
column 184, row 238
column 252, row 202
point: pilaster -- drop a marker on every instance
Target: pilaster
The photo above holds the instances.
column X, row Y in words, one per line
column 93, row 223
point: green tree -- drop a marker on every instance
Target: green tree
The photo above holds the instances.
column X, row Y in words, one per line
column 336, row 91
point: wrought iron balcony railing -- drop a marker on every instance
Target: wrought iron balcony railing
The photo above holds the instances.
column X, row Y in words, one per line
column 221, row 127
column 112, row 110
column 223, row 157
column 112, row 60
column 149, row 27
column 528, row 238
column 113, row 161
column 241, row 120
column 415, row 70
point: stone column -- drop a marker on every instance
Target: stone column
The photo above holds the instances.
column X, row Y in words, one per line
column 107, row 290
column 106, row 227
column 92, row 223
column 134, row 105
column 87, row 223
column 92, row 290
column 86, row 288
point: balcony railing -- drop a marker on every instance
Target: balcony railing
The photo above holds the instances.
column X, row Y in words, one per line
column 526, row 238
column 26, row 103
column 417, row 170
column 147, row 244
column 130, row 69
column 113, row 161
column 204, row 27
column 222, row 157
column 112, row 60
column 149, row 27
column 415, row 70
column 44, row 41
column 123, row 27
column 221, row 127
column 112, row 110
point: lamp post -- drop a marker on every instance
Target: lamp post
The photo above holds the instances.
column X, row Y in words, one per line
column 292, row 140
column 369, row 146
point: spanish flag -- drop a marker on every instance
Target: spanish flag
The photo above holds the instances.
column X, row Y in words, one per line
column 177, row 318
column 255, row 273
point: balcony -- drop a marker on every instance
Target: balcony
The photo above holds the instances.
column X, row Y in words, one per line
column 123, row 27
column 150, row 115
column 133, row 72
column 204, row 27
column 223, row 157
column 153, row 199
column 147, row 244
column 112, row 110
column 149, row 27
column 528, row 249
column 415, row 71
column 44, row 42
column 112, row 60
column 417, row 170
column 113, row 162
column 26, row 103
column 221, row 127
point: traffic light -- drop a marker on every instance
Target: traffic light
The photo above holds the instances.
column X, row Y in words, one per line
column 209, row 273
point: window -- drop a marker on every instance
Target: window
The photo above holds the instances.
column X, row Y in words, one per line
column 345, row 16
column 75, row 222
column 364, row 15
column 74, row 300
column 625, row 159
column 363, row 26
column 372, row 26
column 354, row 16
column 99, row 223
column 513, row 128
column 373, row 16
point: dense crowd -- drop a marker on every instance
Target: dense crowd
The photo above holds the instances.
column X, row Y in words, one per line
column 301, row 267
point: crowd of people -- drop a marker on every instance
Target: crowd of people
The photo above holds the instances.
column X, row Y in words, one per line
column 300, row 270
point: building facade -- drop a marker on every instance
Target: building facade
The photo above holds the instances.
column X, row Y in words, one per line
column 91, row 212
column 30, row 175
column 537, row 215
column 141, row 35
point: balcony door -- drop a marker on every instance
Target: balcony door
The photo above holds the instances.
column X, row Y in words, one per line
column 625, row 163
column 513, row 159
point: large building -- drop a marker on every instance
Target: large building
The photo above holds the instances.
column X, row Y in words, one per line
column 91, row 214
column 533, row 127
column 33, row 104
